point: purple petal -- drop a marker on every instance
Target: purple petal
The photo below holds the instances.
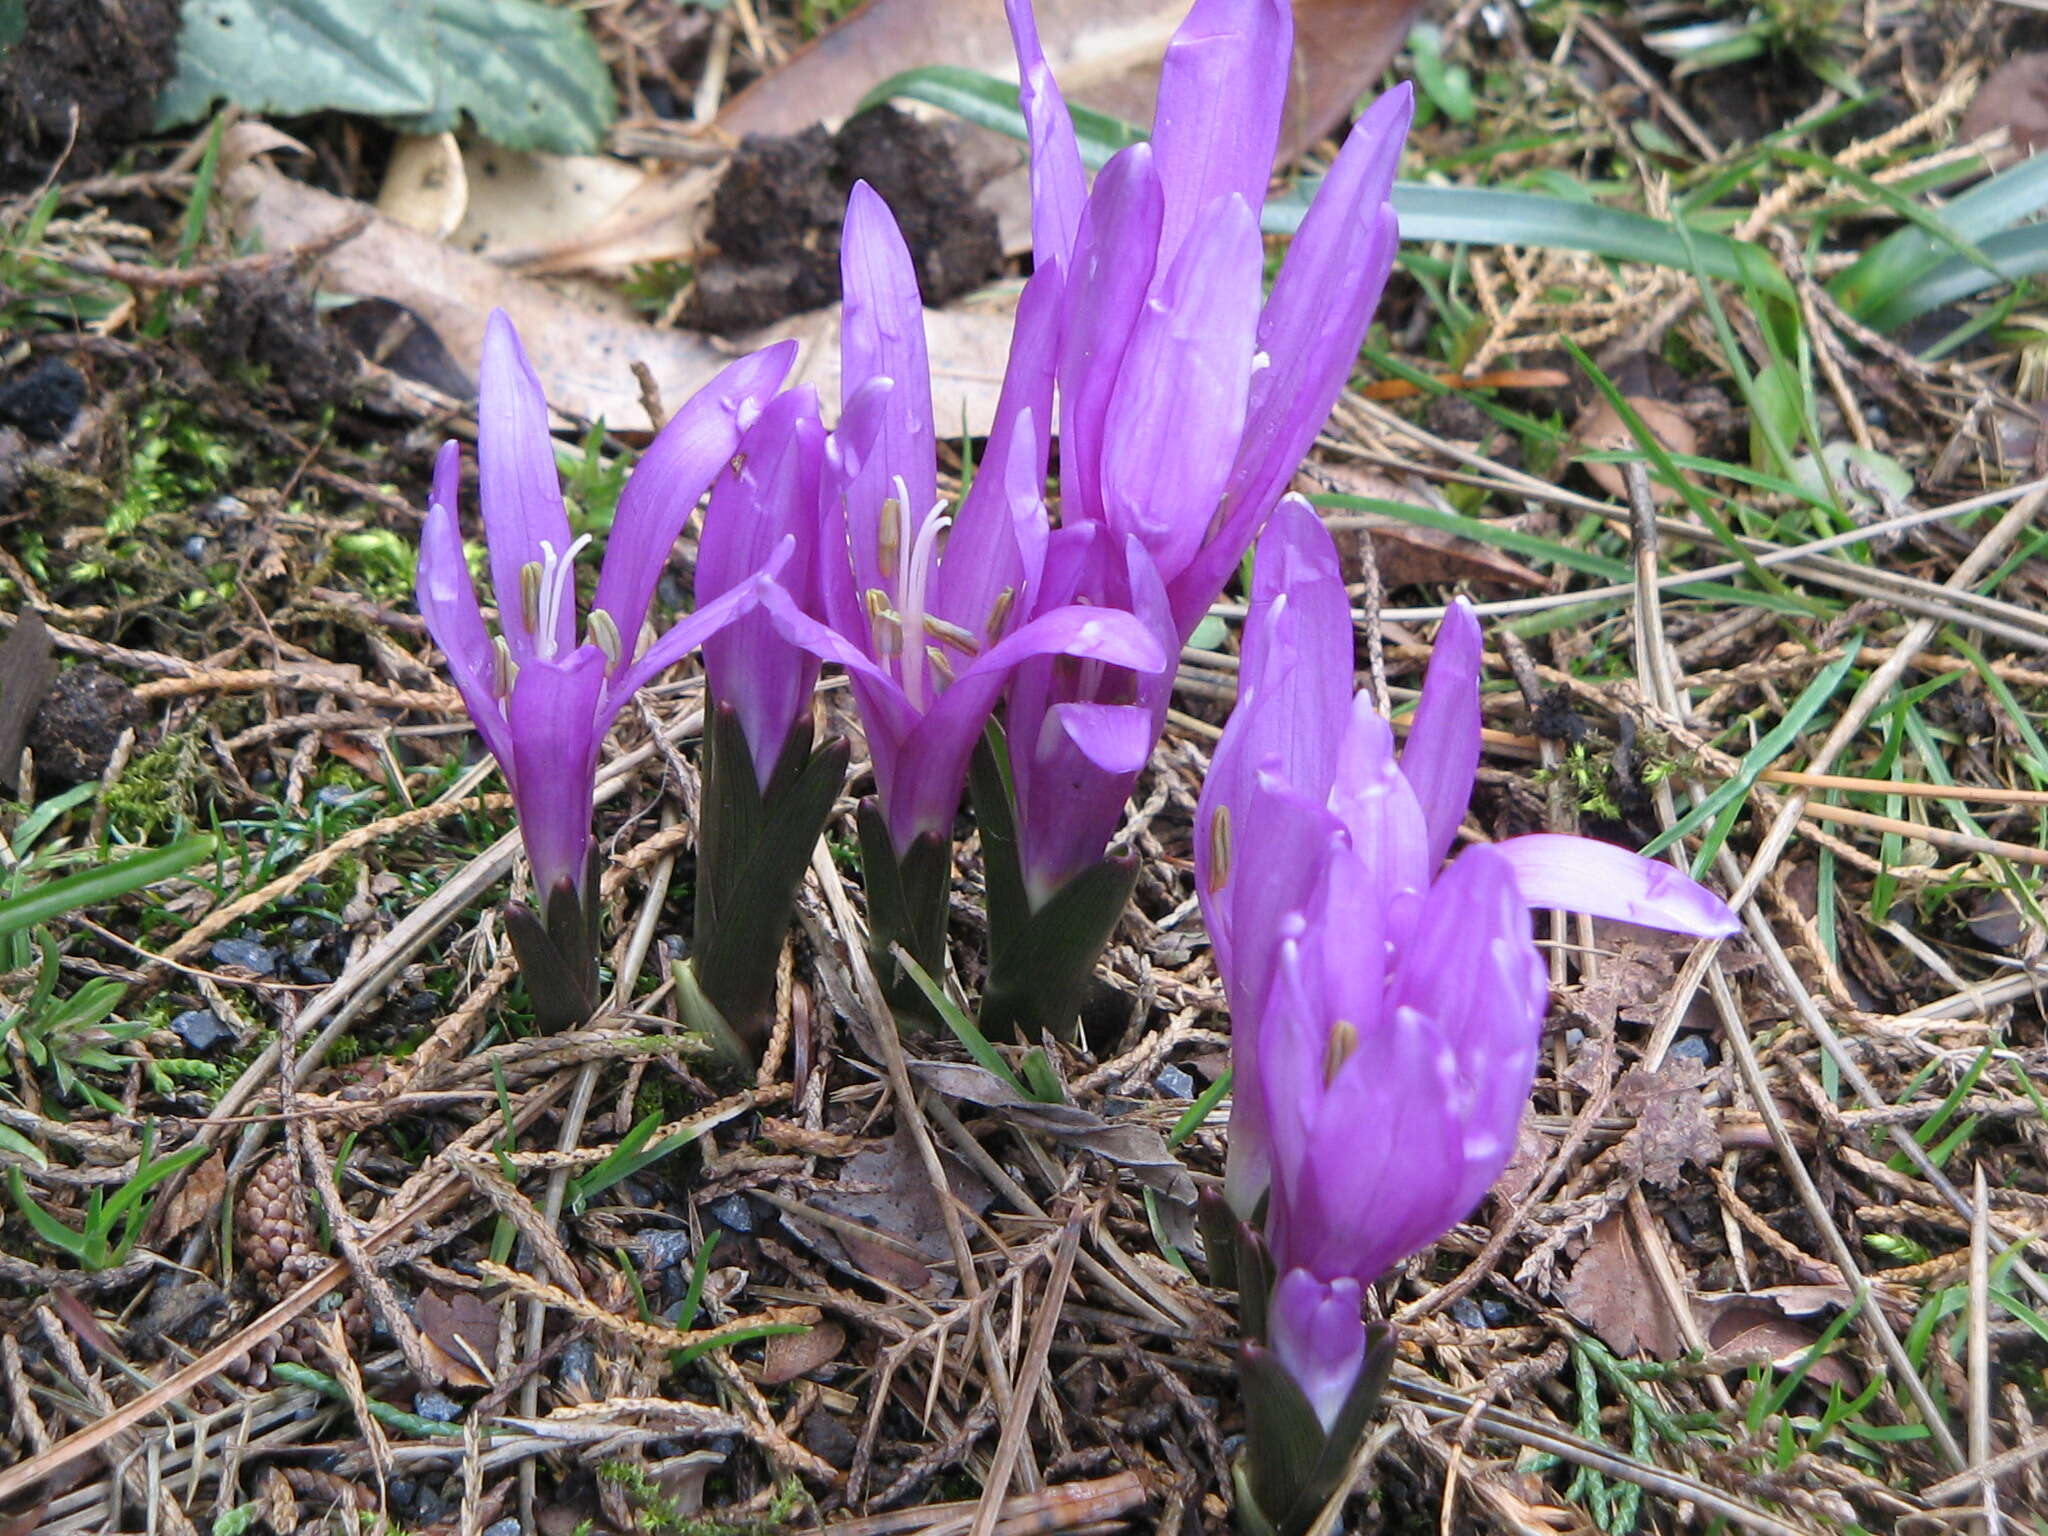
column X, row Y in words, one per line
column 926, row 790
column 1317, row 1331
column 886, row 715
column 517, row 482
column 1173, row 426
column 1368, row 794
column 882, row 335
column 1220, row 100
column 1579, row 874
column 1321, row 305
column 1441, row 759
column 447, row 601
column 855, row 485
column 1059, row 186
column 1295, row 682
column 552, row 717
column 771, row 494
column 690, row 632
column 1112, row 269
column 1115, row 738
column 662, row 492
column 997, row 541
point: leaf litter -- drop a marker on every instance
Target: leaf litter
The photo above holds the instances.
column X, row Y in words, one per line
column 1741, row 1188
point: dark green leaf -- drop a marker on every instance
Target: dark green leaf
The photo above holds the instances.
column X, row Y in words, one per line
column 1038, row 976
column 527, row 73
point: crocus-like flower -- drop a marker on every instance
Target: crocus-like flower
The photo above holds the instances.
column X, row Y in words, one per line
column 929, row 612
column 1386, row 1006
column 1185, row 404
column 541, row 697
column 766, row 794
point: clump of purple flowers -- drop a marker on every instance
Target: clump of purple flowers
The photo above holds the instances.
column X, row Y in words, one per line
column 1385, row 1004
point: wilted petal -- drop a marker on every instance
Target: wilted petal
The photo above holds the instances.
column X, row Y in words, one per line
column 1441, row 758
column 1218, row 120
column 1173, row 426
column 664, row 487
column 517, row 482
column 1317, row 1331
column 882, row 336
column 1059, row 186
column 1112, row 269
column 1579, row 874
column 553, row 727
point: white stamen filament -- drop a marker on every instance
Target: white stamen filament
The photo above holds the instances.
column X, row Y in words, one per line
column 556, row 585
column 912, row 594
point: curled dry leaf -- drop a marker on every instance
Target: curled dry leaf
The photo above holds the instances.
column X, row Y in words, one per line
column 1612, row 1291
column 583, row 347
column 2015, row 98
column 198, row 1197
column 790, row 1355
column 1409, row 554
column 460, row 1330
column 1136, row 1147
column 1601, row 429
column 1776, row 1326
column 425, row 186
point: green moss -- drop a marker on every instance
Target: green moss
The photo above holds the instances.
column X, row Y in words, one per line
column 157, row 790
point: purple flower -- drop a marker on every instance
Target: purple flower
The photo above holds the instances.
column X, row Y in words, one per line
column 768, row 494
column 929, row 612
column 1186, row 405
column 1386, row 1006
column 541, row 698
column 1317, row 1331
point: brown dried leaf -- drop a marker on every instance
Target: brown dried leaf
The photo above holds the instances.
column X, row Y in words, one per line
column 582, row 346
column 1408, row 554
column 1765, row 1327
column 1601, row 428
column 461, row 1330
column 887, row 1189
column 1136, row 1147
column 790, row 1355
column 1611, row 1290
column 1672, row 1126
column 2015, row 98
column 198, row 1197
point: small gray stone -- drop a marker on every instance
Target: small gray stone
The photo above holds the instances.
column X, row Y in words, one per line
column 735, row 1213
column 202, row 1031
column 1498, row 1314
column 666, row 1249
column 509, row 1526
column 1174, row 1083
column 196, row 548
column 1693, row 1048
column 337, row 798
column 1467, row 1314
column 246, row 953
column 438, row 1406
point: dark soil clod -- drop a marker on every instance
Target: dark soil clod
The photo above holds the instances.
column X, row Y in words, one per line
column 44, row 401
column 775, row 219
column 73, row 735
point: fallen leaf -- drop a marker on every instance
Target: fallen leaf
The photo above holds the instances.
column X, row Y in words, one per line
column 1601, row 429
column 425, row 186
column 519, row 207
column 460, row 1328
column 198, row 1197
column 790, row 1355
column 1136, row 1147
column 1636, row 968
column 887, row 1189
column 1612, row 1291
column 1673, row 1128
column 1409, row 554
column 583, row 348
column 2013, row 97
column 1766, row 1328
